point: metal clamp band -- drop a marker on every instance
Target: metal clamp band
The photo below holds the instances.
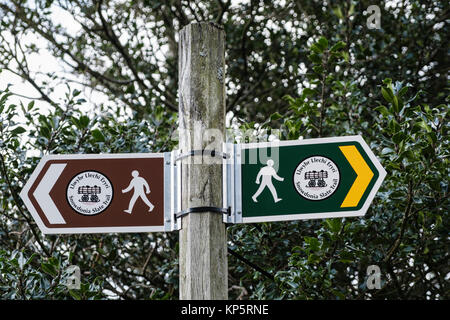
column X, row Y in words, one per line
column 206, row 152
column 203, row 209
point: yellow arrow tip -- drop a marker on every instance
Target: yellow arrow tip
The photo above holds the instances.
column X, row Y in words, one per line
column 363, row 172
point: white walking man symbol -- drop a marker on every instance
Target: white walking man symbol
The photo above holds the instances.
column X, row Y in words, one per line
column 138, row 184
column 267, row 173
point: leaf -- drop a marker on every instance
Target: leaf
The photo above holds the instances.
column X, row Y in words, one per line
column 309, row 91
column 314, row 47
column 438, row 221
column 333, row 224
column 294, row 285
column 383, row 110
column 420, row 92
column 395, row 104
column 99, row 137
column 431, row 137
column 75, row 294
column 84, row 121
column 386, row 94
column 76, row 122
column 130, row 89
column 322, row 43
column 4, row 98
column 314, row 58
column 345, row 55
column 398, row 137
column 394, row 126
column 30, row 105
column 352, row 9
column 45, row 132
column 423, row 125
column 49, row 269
column 313, row 243
column 338, row 12
column 402, row 91
column 288, row 98
column 30, row 259
column 17, row 130
column 339, row 45
column 318, row 69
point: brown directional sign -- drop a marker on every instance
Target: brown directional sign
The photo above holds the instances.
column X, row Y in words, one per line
column 100, row 193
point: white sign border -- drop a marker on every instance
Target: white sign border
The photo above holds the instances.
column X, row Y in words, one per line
column 308, row 216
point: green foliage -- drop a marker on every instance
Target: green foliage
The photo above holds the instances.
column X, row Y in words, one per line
column 116, row 47
column 405, row 231
column 32, row 265
column 312, row 111
column 310, row 69
column 26, row 277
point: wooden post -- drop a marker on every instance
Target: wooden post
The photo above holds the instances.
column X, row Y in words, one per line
column 203, row 241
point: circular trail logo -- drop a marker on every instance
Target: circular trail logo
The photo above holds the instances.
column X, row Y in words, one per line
column 316, row 178
column 89, row 193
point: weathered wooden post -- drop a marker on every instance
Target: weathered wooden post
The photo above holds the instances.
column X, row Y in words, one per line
column 203, row 242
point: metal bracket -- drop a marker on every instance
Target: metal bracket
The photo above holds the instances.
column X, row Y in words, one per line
column 204, row 152
column 168, row 183
column 203, row 209
column 173, row 203
column 175, row 191
column 232, row 183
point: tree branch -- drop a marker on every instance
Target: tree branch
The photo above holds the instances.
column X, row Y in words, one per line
column 16, row 201
column 406, row 215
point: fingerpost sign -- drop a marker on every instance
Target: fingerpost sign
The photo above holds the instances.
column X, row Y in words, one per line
column 304, row 179
column 101, row 193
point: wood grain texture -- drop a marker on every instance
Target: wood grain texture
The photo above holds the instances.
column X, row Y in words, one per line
column 203, row 242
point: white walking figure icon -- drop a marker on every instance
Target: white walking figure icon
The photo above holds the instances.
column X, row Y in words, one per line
column 138, row 184
column 267, row 173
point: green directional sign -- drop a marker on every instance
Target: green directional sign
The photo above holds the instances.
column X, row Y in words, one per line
column 305, row 179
